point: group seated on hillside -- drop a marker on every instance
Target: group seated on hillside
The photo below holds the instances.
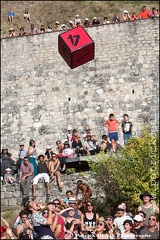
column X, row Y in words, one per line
column 74, row 146
column 143, row 14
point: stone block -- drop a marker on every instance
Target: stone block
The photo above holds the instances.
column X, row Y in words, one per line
column 76, row 47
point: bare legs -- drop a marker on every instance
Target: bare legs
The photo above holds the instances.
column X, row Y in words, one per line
column 113, row 144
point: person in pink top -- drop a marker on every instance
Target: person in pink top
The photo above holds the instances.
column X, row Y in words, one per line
column 112, row 123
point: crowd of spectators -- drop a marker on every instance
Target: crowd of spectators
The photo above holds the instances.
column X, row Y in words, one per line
column 74, row 218
column 143, row 14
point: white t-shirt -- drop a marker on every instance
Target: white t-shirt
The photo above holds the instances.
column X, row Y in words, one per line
column 128, row 236
column 118, row 221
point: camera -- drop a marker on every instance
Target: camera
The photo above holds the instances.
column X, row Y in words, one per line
column 78, row 151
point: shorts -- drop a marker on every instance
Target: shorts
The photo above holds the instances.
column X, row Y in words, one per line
column 113, row 136
column 45, row 176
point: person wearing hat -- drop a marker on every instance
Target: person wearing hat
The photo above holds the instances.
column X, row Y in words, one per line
column 12, row 32
column 22, row 152
column 95, row 21
column 137, row 224
column 8, row 178
column 6, row 160
column 86, row 22
column 128, row 234
column 147, row 207
column 48, row 152
column 73, row 204
column 126, row 16
column 118, row 221
column 71, row 24
column 58, row 27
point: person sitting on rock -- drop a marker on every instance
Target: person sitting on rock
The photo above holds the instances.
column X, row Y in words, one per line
column 90, row 144
column 8, row 178
column 54, row 169
column 78, row 148
column 42, row 173
column 86, row 190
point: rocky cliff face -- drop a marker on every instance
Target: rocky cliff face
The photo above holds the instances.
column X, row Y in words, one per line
column 41, row 95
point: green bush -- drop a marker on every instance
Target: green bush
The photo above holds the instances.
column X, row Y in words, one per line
column 125, row 176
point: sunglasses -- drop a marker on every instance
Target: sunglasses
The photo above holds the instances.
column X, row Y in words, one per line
column 70, row 234
column 100, row 224
column 57, row 203
column 108, row 219
column 153, row 219
column 88, row 205
column 25, row 160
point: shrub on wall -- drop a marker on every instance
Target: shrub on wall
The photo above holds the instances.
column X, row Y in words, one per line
column 126, row 176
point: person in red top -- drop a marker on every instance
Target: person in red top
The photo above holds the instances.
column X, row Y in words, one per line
column 144, row 13
column 57, row 226
column 112, row 125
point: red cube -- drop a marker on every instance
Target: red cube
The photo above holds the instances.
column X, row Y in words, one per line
column 76, row 47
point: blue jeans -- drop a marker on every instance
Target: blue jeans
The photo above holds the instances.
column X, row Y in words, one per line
column 126, row 137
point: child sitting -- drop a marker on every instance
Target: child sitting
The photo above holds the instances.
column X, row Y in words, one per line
column 8, row 178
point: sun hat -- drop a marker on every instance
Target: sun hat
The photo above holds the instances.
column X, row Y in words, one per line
column 21, row 144
column 8, row 170
column 11, row 29
column 66, row 143
column 125, row 11
column 72, row 200
column 87, row 128
column 145, row 194
column 69, row 128
column 138, row 218
column 70, row 22
column 57, row 22
column 94, row 18
column 86, row 19
column 120, row 207
column 127, row 221
column 48, row 147
column 4, row 147
column 63, row 25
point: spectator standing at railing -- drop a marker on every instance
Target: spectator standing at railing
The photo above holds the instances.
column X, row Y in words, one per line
column 126, row 16
column 134, row 16
column 58, row 27
column 154, row 12
column 105, row 20
column 86, row 23
column 12, row 32
column 22, row 32
column 42, row 29
column 95, row 21
column 33, row 30
column 71, row 24
column 116, row 18
column 77, row 20
column 144, row 13
column 11, row 15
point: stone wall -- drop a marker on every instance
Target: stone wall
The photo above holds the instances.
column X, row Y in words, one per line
column 41, row 95
column 11, row 196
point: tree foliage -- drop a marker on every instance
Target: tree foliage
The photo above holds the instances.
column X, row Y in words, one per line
column 125, row 176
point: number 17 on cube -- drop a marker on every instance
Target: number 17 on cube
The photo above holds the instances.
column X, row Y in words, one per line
column 76, row 47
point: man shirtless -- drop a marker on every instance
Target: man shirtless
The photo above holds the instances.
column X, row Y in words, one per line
column 86, row 190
